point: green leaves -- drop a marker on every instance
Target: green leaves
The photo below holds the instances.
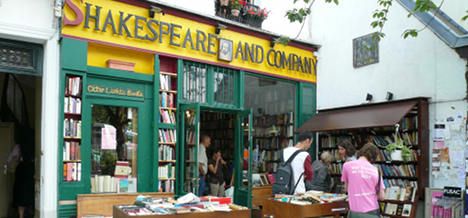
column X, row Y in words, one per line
column 380, row 17
column 297, row 15
column 424, row 6
column 334, row 1
column 464, row 18
column 410, row 32
column 284, row 40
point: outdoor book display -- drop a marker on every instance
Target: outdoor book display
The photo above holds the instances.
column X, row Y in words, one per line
column 311, row 204
column 185, row 206
column 402, row 168
column 167, row 131
column 72, row 129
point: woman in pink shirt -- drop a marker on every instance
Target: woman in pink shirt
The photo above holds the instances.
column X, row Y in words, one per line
column 364, row 184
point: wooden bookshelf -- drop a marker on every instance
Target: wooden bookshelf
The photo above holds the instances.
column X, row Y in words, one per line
column 272, row 134
column 71, row 145
column 414, row 131
column 167, row 134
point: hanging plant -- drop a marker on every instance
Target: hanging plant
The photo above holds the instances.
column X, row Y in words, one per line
column 398, row 146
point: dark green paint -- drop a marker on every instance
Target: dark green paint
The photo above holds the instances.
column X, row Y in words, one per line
column 73, row 54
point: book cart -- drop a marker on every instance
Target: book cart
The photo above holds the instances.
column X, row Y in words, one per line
column 118, row 213
column 279, row 209
column 404, row 181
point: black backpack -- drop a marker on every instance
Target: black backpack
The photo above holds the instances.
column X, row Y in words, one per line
column 284, row 177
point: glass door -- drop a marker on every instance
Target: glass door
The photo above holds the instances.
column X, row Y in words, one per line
column 119, row 141
column 243, row 159
column 189, row 117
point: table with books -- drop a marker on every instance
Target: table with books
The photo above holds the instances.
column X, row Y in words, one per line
column 311, row 204
column 188, row 206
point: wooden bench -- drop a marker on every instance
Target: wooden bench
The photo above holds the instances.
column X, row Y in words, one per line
column 102, row 204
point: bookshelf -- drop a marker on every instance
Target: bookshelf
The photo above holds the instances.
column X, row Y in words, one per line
column 220, row 127
column 71, row 158
column 167, row 133
column 271, row 134
column 404, row 180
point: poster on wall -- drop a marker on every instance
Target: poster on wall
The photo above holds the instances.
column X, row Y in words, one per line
column 448, row 152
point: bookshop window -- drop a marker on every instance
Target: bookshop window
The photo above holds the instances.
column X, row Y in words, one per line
column 224, row 85
column 194, row 88
column 114, row 149
column 273, row 105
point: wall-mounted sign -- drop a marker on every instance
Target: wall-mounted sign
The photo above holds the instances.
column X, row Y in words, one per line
column 454, row 192
column 20, row 57
column 99, row 89
column 114, row 22
column 365, row 50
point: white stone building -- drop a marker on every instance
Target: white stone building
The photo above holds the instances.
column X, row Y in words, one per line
column 29, row 57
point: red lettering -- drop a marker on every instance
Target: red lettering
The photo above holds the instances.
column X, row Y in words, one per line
column 78, row 14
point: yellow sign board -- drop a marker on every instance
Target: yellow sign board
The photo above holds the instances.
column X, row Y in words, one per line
column 129, row 26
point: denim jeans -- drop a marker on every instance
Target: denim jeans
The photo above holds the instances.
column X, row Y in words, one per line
column 202, row 186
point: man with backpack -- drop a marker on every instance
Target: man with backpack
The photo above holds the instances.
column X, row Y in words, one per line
column 295, row 167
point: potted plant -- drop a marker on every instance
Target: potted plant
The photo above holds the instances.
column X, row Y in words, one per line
column 235, row 7
column 255, row 16
column 398, row 150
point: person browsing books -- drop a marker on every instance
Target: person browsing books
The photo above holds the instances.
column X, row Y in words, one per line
column 363, row 183
column 321, row 180
column 215, row 173
column 347, row 151
column 302, row 163
column 205, row 142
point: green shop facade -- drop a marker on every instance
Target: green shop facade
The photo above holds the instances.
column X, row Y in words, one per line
column 139, row 88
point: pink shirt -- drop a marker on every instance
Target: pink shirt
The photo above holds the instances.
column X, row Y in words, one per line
column 361, row 178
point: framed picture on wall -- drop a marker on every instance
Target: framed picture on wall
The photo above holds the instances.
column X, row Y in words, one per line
column 225, row 50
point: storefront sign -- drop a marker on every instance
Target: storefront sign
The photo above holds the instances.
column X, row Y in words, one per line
column 115, row 91
column 129, row 26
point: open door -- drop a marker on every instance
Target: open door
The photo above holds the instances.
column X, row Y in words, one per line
column 243, row 159
column 189, row 134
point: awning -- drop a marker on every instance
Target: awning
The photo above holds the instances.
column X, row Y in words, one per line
column 362, row 116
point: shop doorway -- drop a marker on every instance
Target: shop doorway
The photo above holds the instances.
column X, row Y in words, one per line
column 230, row 133
column 20, row 121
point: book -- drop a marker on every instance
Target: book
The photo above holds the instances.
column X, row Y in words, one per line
column 391, row 209
column 399, row 209
column 123, row 185
column 406, row 210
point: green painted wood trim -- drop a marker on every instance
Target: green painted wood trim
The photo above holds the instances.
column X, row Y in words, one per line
column 166, row 126
column 73, row 54
column 306, row 113
column 119, row 74
column 241, row 84
column 180, row 122
column 67, row 211
column 181, row 148
column 155, row 124
column 209, row 85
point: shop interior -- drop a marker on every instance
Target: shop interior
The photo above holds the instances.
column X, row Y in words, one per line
column 20, row 106
column 220, row 127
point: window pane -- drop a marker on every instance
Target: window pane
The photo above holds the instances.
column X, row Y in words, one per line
column 273, row 104
column 114, row 149
column 194, row 89
column 223, row 85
